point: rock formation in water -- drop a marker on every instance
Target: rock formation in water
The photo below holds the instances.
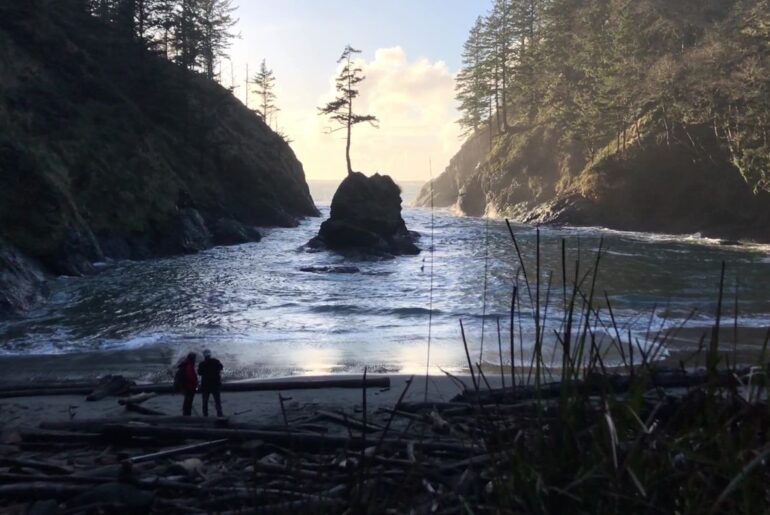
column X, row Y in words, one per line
column 109, row 151
column 366, row 218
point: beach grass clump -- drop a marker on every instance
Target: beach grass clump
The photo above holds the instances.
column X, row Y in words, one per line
column 638, row 438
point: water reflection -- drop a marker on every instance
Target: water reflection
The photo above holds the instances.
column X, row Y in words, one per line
column 254, row 306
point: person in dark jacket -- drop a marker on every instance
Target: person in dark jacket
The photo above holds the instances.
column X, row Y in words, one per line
column 210, row 371
column 188, row 382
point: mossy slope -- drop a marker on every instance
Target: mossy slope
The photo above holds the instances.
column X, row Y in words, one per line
column 105, row 148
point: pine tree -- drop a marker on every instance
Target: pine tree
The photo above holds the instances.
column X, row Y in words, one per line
column 340, row 109
column 471, row 87
column 216, row 21
column 187, row 34
column 499, row 36
column 264, row 81
column 201, row 33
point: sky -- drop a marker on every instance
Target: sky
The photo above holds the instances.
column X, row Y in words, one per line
column 410, row 54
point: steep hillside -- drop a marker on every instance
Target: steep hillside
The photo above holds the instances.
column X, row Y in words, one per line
column 631, row 115
column 685, row 182
column 447, row 186
column 109, row 151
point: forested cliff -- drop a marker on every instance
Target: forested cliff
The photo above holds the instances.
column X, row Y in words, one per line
column 111, row 148
column 647, row 115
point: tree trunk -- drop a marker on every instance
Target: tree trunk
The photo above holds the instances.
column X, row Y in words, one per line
column 141, row 14
column 504, row 71
column 497, row 98
column 350, row 124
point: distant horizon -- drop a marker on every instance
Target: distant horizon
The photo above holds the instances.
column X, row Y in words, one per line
column 337, row 181
column 322, row 190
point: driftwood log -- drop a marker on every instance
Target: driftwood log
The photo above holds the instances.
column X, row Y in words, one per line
column 165, row 388
column 121, row 432
column 95, row 425
column 614, row 383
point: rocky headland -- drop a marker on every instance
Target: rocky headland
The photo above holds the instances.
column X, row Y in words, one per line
column 680, row 181
column 110, row 151
column 641, row 116
column 366, row 219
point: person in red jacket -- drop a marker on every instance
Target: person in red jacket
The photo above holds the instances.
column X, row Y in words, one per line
column 189, row 382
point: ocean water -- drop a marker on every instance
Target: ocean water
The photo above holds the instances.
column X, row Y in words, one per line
column 265, row 317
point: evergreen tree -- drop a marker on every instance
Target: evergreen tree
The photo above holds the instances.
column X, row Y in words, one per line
column 264, row 81
column 215, row 18
column 193, row 33
column 499, row 37
column 340, row 110
column 187, row 34
column 603, row 72
column 470, row 85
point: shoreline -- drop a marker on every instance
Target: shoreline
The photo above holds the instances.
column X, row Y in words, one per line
column 153, row 364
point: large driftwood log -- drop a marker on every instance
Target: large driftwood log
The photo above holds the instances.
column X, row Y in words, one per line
column 6, row 478
column 350, row 422
column 616, row 383
column 48, row 468
column 110, row 386
column 59, row 436
column 173, row 452
column 38, row 385
column 97, row 424
column 42, row 490
column 44, row 392
column 142, row 410
column 247, row 386
column 286, row 438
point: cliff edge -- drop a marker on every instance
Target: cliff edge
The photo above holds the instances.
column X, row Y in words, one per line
column 110, row 151
column 682, row 180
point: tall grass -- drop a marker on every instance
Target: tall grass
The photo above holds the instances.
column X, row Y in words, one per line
column 615, row 440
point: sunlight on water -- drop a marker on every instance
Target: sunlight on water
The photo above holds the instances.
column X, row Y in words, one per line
column 265, row 317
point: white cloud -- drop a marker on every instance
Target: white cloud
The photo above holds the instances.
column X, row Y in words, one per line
column 414, row 102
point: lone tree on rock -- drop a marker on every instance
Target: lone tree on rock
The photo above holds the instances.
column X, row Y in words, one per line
column 340, row 109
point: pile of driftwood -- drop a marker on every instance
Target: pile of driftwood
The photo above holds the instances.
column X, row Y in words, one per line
column 425, row 457
column 320, row 462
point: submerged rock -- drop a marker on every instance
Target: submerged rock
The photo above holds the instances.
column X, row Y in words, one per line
column 366, row 217
column 192, row 233
column 76, row 254
column 21, row 281
column 227, row 231
column 330, row 269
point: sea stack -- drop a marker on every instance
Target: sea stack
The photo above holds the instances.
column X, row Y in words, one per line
column 366, row 218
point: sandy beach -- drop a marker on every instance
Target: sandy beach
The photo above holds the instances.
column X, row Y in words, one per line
column 262, row 407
